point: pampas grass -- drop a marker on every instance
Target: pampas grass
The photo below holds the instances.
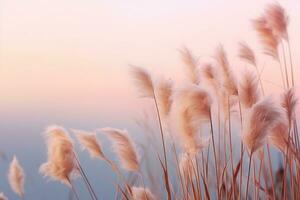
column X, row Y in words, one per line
column 263, row 116
column 192, row 65
column 248, row 89
column 124, row 148
column 140, row 193
column 186, row 165
column 89, row 142
column 16, row 177
column 61, row 164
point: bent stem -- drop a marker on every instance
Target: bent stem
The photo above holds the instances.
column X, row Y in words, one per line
column 167, row 184
column 214, row 149
column 249, row 169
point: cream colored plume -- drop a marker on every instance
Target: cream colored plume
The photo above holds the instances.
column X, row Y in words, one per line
column 61, row 164
column 143, row 81
column 163, row 92
column 140, row 193
column 248, row 89
column 262, row 117
column 191, row 62
column 277, row 19
column 267, row 38
column 89, row 142
column 190, row 108
column 16, row 177
column 229, row 80
column 289, row 103
column 124, row 147
column 246, row 53
column 279, row 136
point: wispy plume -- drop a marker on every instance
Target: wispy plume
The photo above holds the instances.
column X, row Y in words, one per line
column 89, row 142
column 61, row 164
column 228, row 76
column 191, row 106
column 163, row 92
column 262, row 117
column 192, row 70
column 289, row 103
column 277, row 20
column 16, row 177
column 124, row 147
column 246, row 53
column 248, row 89
column 267, row 38
column 211, row 76
column 279, row 136
column 140, row 193
column 143, row 81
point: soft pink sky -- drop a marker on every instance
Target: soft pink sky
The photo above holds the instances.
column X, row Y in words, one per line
column 73, row 56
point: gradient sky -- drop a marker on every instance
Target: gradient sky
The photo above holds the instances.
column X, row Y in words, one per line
column 66, row 62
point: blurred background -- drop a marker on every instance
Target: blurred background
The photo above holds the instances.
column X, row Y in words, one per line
column 67, row 62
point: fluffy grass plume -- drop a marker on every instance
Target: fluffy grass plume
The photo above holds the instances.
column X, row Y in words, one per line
column 143, row 81
column 89, row 142
column 248, row 89
column 262, row 117
column 140, row 193
column 124, row 148
column 246, row 53
column 191, row 106
column 16, row 177
column 192, row 65
column 61, row 164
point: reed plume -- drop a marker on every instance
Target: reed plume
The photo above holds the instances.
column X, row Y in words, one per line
column 124, row 148
column 248, row 89
column 143, row 81
column 289, row 103
column 163, row 91
column 2, row 196
column 246, row 53
column 228, row 76
column 192, row 70
column 269, row 41
column 89, row 142
column 279, row 135
column 211, row 76
column 277, row 20
column 261, row 118
column 191, row 106
column 140, row 193
column 61, row 164
column 16, row 177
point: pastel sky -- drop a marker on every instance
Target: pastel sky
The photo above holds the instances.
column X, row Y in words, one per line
column 74, row 55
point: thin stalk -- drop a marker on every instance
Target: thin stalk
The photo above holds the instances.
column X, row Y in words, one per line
column 164, row 149
column 73, row 188
column 249, row 168
column 87, row 183
column 291, row 62
column 271, row 173
column 281, row 72
column 285, row 66
column 230, row 146
column 214, row 149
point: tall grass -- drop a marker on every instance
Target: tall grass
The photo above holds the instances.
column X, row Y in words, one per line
column 216, row 132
